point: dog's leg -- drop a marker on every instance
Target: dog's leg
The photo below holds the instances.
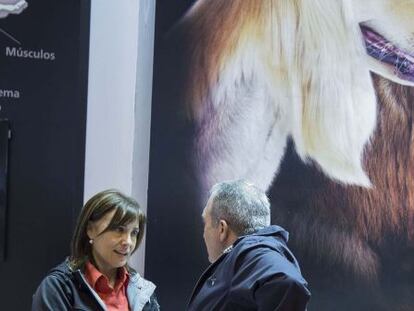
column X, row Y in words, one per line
column 242, row 135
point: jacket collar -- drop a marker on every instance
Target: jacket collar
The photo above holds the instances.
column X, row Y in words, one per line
column 271, row 231
column 139, row 292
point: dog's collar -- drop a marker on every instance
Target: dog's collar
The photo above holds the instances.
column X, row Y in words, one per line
column 384, row 51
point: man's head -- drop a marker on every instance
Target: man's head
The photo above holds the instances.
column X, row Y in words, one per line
column 234, row 208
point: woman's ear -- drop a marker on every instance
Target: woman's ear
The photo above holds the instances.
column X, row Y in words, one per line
column 90, row 230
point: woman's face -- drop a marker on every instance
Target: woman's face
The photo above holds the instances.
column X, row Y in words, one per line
column 112, row 249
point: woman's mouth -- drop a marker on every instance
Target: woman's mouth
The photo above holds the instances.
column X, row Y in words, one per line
column 121, row 253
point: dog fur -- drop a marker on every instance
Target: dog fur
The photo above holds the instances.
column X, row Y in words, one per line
column 263, row 72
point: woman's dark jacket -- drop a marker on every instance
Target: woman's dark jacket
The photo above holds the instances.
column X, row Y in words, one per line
column 63, row 289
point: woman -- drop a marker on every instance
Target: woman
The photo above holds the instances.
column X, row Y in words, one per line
column 96, row 276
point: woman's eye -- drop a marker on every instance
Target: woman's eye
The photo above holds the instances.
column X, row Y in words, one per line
column 120, row 229
column 135, row 232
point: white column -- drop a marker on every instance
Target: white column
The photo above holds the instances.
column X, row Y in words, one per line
column 143, row 99
column 119, row 100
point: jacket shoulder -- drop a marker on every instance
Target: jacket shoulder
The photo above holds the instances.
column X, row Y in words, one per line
column 54, row 291
column 270, row 253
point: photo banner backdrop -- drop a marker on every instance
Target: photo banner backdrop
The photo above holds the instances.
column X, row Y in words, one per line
column 43, row 87
column 313, row 102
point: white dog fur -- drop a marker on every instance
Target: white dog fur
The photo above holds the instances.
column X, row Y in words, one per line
column 263, row 71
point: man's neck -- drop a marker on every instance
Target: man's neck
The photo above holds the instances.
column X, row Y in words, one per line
column 228, row 244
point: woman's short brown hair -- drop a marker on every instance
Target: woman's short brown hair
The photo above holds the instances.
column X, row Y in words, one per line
column 126, row 209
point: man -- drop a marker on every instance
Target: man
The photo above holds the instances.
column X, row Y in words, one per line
column 252, row 268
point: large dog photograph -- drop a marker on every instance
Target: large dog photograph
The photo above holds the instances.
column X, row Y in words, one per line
column 312, row 101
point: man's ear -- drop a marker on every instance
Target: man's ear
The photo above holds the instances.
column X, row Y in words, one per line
column 224, row 230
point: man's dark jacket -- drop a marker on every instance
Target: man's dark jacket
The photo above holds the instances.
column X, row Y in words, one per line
column 258, row 273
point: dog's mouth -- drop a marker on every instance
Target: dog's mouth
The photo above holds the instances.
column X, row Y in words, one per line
column 378, row 47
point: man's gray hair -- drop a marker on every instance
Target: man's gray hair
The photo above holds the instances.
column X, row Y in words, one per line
column 242, row 205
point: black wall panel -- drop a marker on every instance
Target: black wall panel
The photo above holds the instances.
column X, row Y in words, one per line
column 43, row 85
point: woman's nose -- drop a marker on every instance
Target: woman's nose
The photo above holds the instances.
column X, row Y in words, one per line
column 126, row 239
